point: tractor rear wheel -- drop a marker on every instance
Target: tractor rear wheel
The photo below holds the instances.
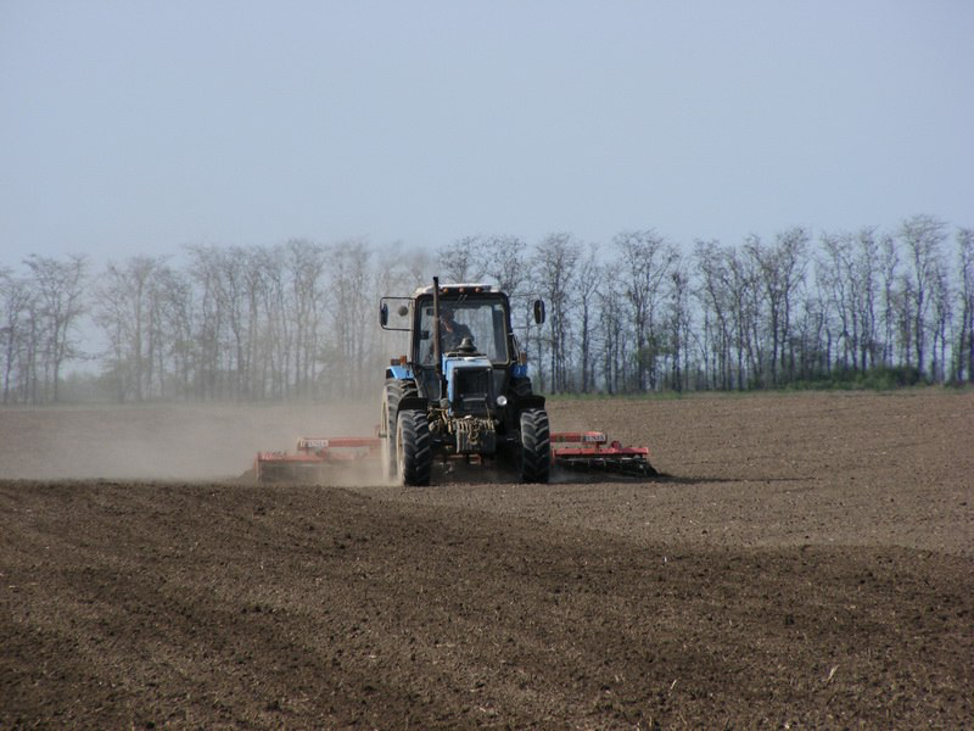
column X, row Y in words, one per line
column 395, row 391
column 535, row 446
column 413, row 448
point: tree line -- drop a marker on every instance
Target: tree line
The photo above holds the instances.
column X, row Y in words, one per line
column 635, row 314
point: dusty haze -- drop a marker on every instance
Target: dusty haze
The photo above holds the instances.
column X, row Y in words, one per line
column 180, row 441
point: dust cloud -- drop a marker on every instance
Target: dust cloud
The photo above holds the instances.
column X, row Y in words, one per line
column 192, row 442
column 166, row 442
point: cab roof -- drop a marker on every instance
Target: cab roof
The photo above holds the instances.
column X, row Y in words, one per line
column 459, row 288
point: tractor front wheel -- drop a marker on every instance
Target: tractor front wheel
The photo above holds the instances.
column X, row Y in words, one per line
column 535, row 446
column 413, row 448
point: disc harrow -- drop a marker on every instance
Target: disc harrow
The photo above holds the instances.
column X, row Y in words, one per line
column 591, row 451
column 587, row 451
column 314, row 455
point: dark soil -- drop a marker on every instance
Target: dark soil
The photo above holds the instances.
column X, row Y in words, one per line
column 809, row 562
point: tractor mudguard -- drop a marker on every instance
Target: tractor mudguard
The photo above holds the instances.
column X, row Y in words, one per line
column 530, row 401
column 413, row 403
column 400, row 372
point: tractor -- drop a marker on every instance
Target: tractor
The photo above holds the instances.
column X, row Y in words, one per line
column 463, row 391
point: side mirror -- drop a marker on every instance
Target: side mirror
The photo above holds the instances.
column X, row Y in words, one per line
column 539, row 312
column 383, row 314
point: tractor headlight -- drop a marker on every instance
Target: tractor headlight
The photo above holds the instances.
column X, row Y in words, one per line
column 502, row 401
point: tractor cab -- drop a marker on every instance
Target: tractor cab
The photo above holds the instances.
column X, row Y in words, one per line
column 476, row 346
column 482, row 316
column 467, row 354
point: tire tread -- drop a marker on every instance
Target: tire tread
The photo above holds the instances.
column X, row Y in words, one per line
column 417, row 448
column 535, row 446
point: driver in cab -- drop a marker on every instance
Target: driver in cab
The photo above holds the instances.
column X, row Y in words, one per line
column 452, row 332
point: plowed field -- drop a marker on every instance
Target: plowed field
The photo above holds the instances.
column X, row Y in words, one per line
column 806, row 561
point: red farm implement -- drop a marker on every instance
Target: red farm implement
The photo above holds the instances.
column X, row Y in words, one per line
column 314, row 457
column 591, row 451
column 318, row 458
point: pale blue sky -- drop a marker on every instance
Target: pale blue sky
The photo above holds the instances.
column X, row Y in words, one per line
column 139, row 126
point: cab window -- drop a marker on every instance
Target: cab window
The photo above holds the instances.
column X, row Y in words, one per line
column 484, row 321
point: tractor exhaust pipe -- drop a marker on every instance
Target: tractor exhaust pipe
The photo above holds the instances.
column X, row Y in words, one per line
column 437, row 353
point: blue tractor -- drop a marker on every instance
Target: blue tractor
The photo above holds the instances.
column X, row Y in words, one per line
column 462, row 394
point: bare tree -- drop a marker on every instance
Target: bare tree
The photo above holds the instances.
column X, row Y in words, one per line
column 59, row 287
column 587, row 290
column 780, row 269
column 461, row 261
column 715, row 300
column 646, row 260
column 965, row 343
column 305, row 266
column 680, row 326
column 351, row 309
column 278, row 328
column 555, row 265
column 180, row 316
column 903, row 301
column 942, row 312
column 128, row 309
column 867, row 256
column 16, row 306
column 614, row 329
column 742, row 286
column 504, row 261
column 814, row 340
column 837, row 275
column 231, row 283
column 889, row 271
column 255, row 353
column 922, row 236
column 111, row 314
